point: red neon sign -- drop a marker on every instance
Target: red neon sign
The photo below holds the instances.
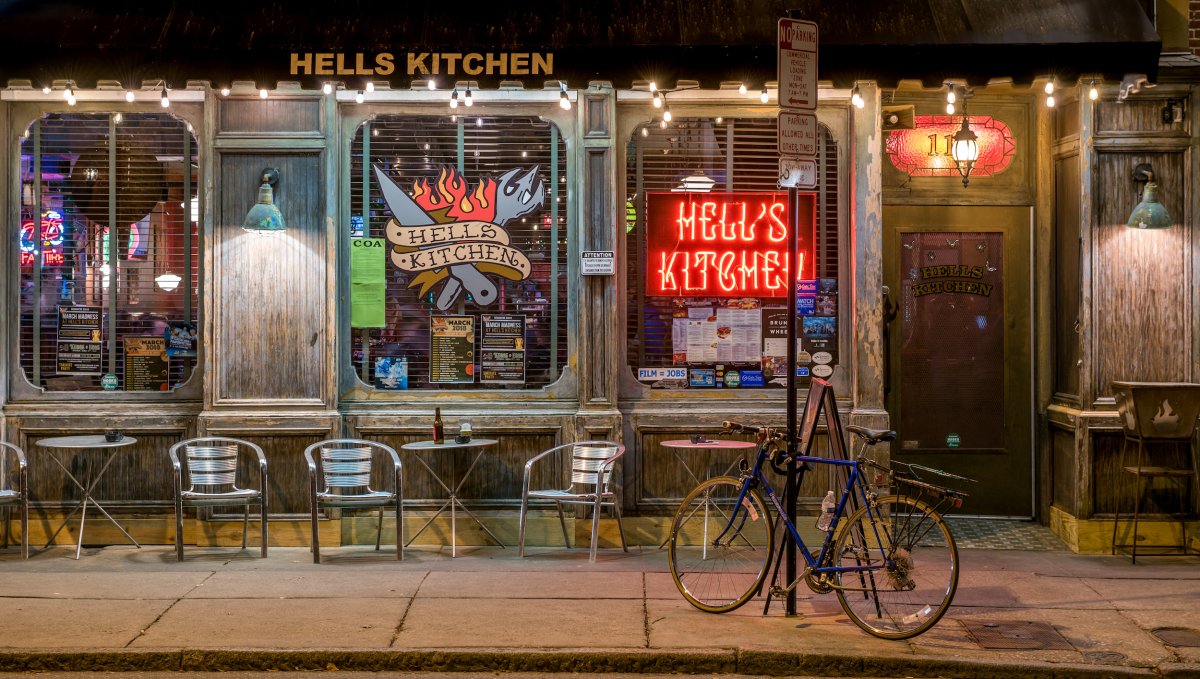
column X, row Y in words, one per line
column 924, row 151
column 723, row 244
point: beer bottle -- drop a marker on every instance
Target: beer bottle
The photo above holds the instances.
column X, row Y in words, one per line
column 439, row 436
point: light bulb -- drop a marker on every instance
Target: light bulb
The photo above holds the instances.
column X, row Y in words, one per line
column 741, row 88
column 856, row 98
column 370, row 86
column 166, row 100
column 1093, row 93
column 117, row 118
column 951, row 96
column 479, row 122
column 719, row 120
column 658, row 100
column 358, row 97
column 71, row 100
column 431, row 83
column 563, row 100
column 763, row 96
column 950, row 109
column 667, row 115
column 69, row 92
column 45, row 89
column 468, row 99
column 645, row 131
column 1049, row 87
column 224, row 91
column 454, row 98
column 327, row 88
column 129, row 96
column 262, row 94
column 662, row 124
column 1050, row 101
column 653, row 86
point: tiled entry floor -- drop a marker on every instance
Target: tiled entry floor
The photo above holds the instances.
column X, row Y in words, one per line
column 986, row 533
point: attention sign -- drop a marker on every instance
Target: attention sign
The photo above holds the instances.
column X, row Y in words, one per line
column 723, row 244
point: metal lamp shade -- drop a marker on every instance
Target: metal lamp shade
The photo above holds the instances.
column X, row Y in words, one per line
column 1149, row 214
column 264, row 217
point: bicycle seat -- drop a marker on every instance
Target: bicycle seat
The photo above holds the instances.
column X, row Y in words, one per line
column 872, row 436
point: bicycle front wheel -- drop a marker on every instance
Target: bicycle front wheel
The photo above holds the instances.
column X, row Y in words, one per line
column 720, row 548
column 906, row 567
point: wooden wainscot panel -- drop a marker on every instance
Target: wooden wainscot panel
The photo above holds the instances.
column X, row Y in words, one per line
column 1064, row 481
column 1066, row 120
column 270, row 116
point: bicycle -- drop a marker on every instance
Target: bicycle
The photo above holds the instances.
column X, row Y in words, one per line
column 893, row 562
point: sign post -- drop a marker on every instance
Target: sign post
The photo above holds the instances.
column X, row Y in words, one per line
column 797, row 151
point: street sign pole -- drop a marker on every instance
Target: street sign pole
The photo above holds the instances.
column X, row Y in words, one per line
column 797, row 66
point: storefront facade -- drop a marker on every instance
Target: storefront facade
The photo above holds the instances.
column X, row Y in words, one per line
column 434, row 257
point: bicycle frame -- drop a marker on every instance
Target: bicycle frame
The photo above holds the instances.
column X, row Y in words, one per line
column 757, row 476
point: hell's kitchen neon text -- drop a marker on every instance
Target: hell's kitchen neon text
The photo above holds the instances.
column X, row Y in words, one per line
column 722, row 244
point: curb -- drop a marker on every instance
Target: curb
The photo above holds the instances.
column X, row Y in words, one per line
column 766, row 663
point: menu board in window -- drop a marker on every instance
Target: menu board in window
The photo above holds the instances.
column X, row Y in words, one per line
column 146, row 364
column 452, row 349
column 502, row 353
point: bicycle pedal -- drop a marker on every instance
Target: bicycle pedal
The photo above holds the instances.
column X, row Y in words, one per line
column 777, row 591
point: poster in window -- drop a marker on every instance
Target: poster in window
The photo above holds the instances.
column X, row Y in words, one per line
column 181, row 338
column 774, row 345
column 391, row 372
column 146, row 364
column 79, row 347
column 452, row 349
column 821, row 330
column 502, row 349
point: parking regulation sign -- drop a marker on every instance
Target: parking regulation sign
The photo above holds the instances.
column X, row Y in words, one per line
column 797, row 64
column 797, row 134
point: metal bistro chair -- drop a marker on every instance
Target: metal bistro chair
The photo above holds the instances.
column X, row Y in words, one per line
column 592, row 465
column 18, row 495
column 1155, row 413
column 345, row 467
column 212, row 465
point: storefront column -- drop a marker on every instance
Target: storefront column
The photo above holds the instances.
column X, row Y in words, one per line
column 866, row 231
column 601, row 339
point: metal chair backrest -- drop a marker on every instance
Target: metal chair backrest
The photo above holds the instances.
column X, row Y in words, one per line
column 212, row 465
column 346, row 469
column 588, row 458
column 1157, row 410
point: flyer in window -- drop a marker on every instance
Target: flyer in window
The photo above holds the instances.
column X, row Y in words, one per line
column 502, row 349
column 391, row 372
column 146, row 364
column 79, row 347
column 452, row 349
column 181, row 339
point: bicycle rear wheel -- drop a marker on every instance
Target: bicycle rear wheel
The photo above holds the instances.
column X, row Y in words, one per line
column 720, row 549
column 910, row 567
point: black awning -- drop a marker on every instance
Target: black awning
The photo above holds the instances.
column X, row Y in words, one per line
column 709, row 41
column 979, row 40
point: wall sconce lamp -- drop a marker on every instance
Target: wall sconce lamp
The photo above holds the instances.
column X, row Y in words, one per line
column 264, row 217
column 168, row 281
column 1149, row 214
column 964, row 150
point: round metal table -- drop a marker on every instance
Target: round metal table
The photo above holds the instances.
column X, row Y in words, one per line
column 452, row 501
column 86, row 442
column 677, row 447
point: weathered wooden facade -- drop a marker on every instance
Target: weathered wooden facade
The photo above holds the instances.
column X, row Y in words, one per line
column 1085, row 301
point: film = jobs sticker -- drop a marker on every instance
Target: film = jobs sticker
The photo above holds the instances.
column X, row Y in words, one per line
column 822, row 357
column 822, row 370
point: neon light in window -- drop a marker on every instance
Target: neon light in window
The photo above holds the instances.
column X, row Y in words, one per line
column 723, row 244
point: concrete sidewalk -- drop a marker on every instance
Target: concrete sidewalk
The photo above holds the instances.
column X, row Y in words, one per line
column 122, row 608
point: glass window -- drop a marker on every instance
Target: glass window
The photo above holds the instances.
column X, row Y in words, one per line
column 707, row 256
column 98, row 310
column 473, row 216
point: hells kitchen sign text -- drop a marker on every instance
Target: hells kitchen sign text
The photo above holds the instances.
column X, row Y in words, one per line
column 723, row 244
column 422, row 63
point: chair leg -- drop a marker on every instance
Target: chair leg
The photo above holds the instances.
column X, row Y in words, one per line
column 595, row 527
column 521, row 526
column 316, row 538
column 379, row 529
column 1124, row 491
column 620, row 529
column 178, row 528
column 1138, row 491
column 563, row 522
column 262, row 510
column 7, row 524
column 25, row 526
column 245, row 523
